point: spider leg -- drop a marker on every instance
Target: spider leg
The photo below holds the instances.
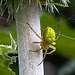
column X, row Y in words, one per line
column 34, row 31
column 53, row 43
column 54, row 49
column 36, row 42
column 58, row 34
column 35, row 50
column 43, row 57
column 42, row 29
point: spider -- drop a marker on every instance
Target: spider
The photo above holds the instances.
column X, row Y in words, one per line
column 47, row 41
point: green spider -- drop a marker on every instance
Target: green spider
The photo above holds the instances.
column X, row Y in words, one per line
column 47, row 41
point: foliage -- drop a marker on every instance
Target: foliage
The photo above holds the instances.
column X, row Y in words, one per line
column 50, row 5
column 14, row 5
column 9, row 48
column 65, row 45
column 67, row 34
column 68, row 68
column 7, row 60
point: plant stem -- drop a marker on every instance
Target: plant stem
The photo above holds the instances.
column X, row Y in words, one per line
column 28, row 61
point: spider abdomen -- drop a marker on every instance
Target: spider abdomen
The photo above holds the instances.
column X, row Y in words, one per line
column 49, row 35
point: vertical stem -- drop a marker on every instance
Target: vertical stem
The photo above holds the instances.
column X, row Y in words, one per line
column 28, row 61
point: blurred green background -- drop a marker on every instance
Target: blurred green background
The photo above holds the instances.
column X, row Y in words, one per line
column 61, row 62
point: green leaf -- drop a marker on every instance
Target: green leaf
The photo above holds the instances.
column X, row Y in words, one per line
column 13, row 43
column 5, row 61
column 9, row 48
